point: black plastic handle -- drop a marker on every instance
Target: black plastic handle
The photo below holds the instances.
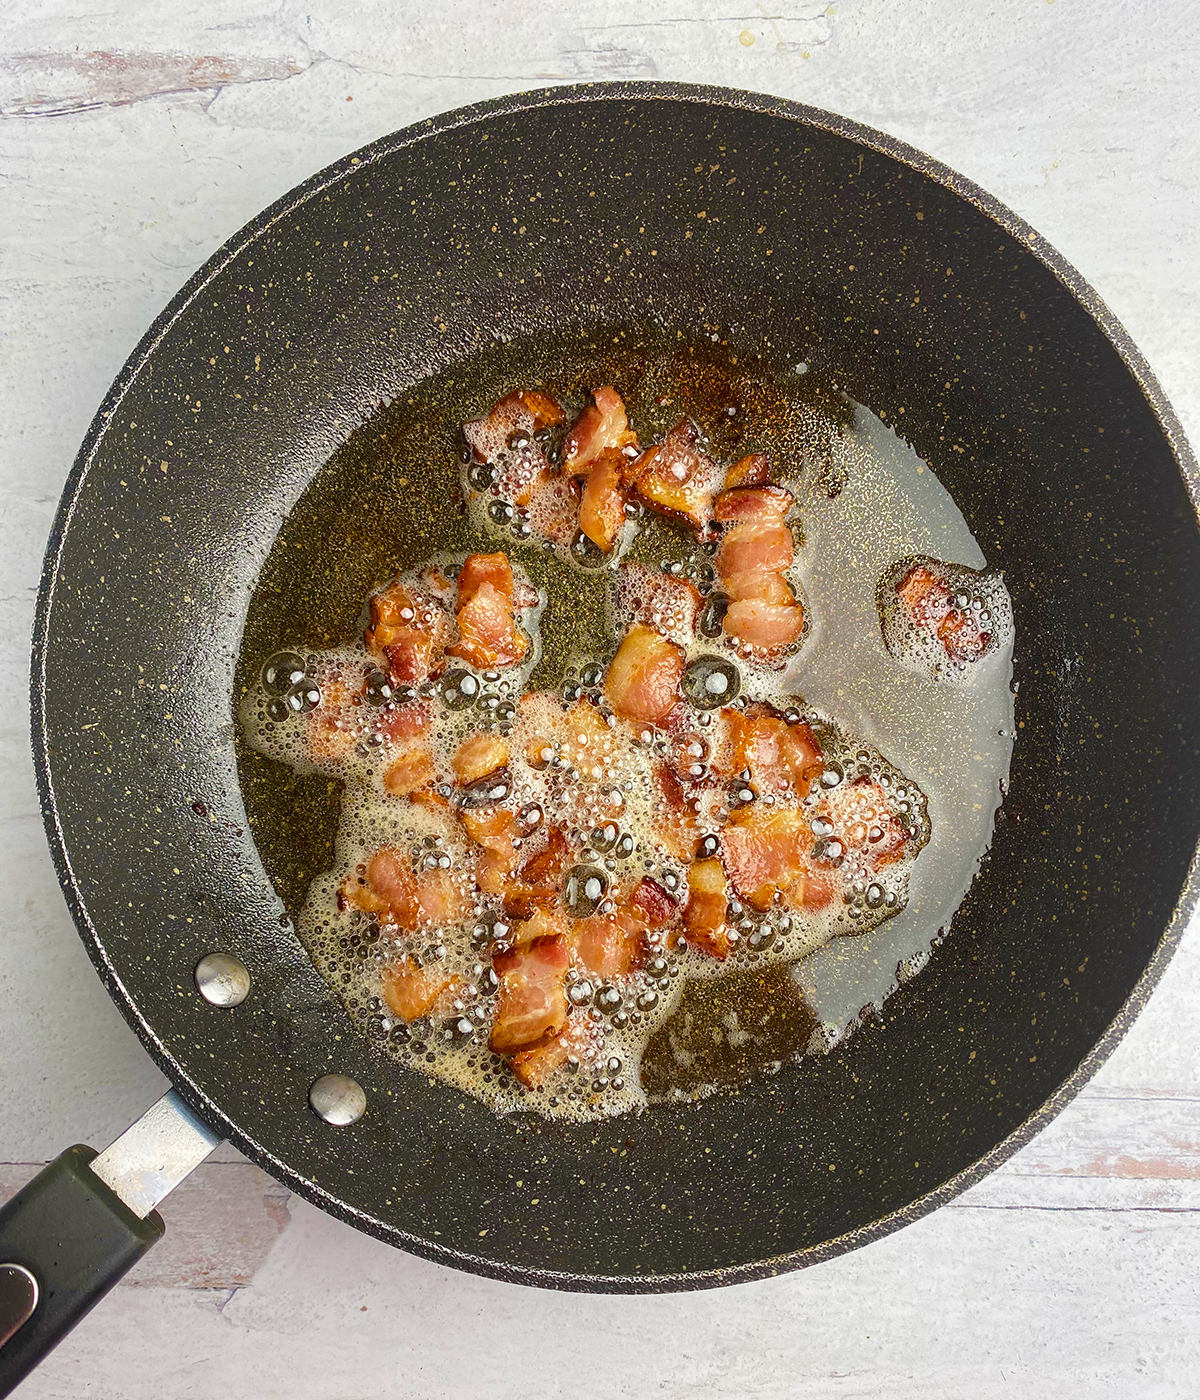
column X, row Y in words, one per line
column 77, row 1238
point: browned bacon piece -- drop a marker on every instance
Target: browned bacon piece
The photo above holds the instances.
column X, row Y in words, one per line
column 643, row 678
column 753, row 503
column 779, row 757
column 540, row 878
column 675, row 478
column 531, row 1004
column 505, row 439
column 409, row 631
column 411, row 990
column 609, row 945
column 602, row 506
column 478, row 755
column 488, row 631
column 767, row 850
column 603, row 426
column 930, row 606
column 534, row 1067
column 390, row 888
column 863, row 821
column 652, row 904
column 666, row 602
column 752, row 470
column 492, row 829
column 763, row 611
column 704, row 913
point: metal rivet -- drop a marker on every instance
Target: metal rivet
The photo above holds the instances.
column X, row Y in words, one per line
column 222, row 979
column 338, row 1099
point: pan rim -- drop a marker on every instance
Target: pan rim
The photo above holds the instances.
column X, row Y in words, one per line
column 460, row 118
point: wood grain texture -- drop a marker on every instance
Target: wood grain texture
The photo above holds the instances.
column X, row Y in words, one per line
column 134, row 138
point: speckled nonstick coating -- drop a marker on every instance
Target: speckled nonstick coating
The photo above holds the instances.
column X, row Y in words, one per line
column 616, row 205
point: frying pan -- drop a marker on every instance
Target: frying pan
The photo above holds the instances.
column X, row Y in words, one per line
column 497, row 238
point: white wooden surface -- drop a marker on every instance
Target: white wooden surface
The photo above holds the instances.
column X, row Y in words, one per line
column 133, row 139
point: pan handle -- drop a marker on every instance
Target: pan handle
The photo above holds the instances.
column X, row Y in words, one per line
column 78, row 1227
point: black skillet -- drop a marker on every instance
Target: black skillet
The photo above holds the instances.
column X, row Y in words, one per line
column 558, row 220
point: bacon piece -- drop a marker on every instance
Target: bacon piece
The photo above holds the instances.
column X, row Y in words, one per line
column 410, row 990
column 767, row 626
column 538, row 881
column 554, row 510
column 534, row 1067
column 752, row 470
column 411, row 769
column 760, row 504
column 704, row 913
column 408, row 631
column 675, row 824
column 479, row 755
column 602, row 507
column 542, row 923
column 488, row 633
column 779, row 757
column 532, row 1001
column 962, row 637
column 405, row 721
column 765, row 850
column 675, row 478
column 493, row 829
column 660, row 600
column 479, row 569
column 863, row 821
column 643, row 678
column 760, row 586
column 609, row 945
column 929, row 603
column 389, row 887
column 652, row 904
column 602, row 427
column 755, row 544
column 515, row 417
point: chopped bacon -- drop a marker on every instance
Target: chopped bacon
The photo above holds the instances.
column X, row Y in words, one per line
column 405, row 721
column 408, row 631
column 675, row 478
column 602, row 507
column 768, row 626
column 758, row 503
column 666, row 602
column 929, row 603
column 704, row 913
column 390, row 888
column 602, row 426
column 755, row 544
column 488, row 633
column 479, row 755
column 676, row 825
column 759, row 586
column 643, row 678
column 534, row 1067
column 411, row 769
column 493, row 829
column 516, row 416
column 538, row 881
column 962, row 637
column 753, row 470
column 779, row 757
column 765, row 850
column 410, row 990
column 553, row 509
column 863, row 821
column 479, row 569
column 532, row 1001
column 652, row 904
column 609, row 945
column 542, row 923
